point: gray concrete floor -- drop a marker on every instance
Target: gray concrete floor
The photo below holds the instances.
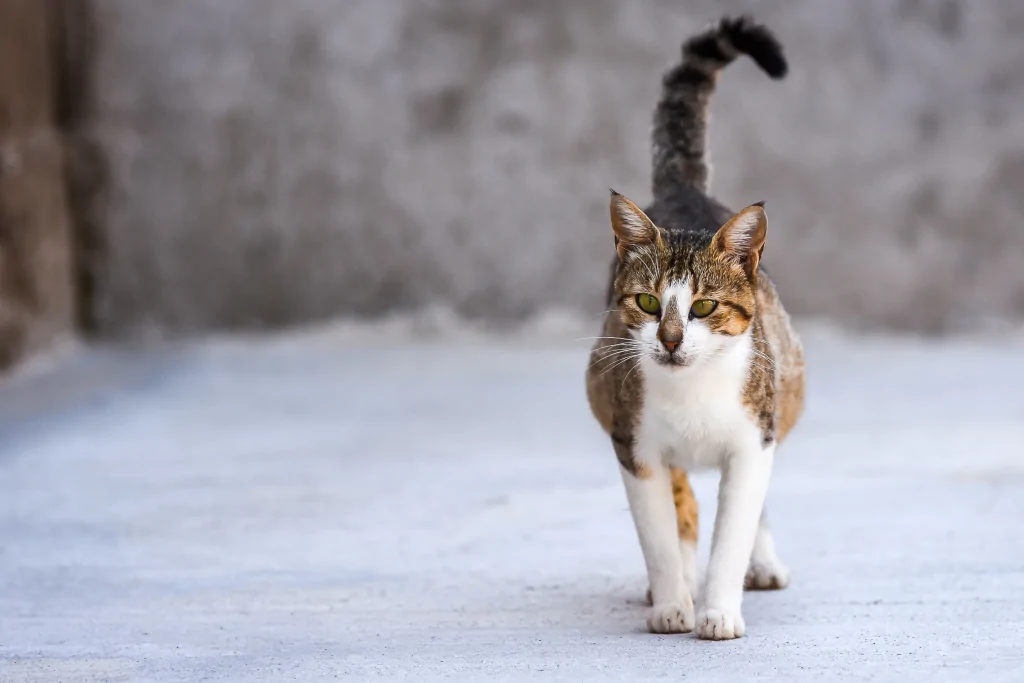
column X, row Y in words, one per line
column 312, row 508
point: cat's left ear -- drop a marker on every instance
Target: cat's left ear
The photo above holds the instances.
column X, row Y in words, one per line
column 741, row 240
column 632, row 227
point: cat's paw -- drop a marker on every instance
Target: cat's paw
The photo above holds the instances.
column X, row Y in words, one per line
column 766, row 576
column 671, row 617
column 720, row 624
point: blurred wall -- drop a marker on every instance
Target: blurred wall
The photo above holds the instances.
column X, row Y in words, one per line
column 269, row 162
column 36, row 293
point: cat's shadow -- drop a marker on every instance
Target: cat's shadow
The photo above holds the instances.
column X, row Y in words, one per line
column 621, row 609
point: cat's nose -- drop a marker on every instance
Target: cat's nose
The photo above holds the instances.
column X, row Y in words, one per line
column 670, row 335
column 670, row 331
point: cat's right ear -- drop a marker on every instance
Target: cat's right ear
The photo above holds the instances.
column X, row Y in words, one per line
column 632, row 227
column 741, row 240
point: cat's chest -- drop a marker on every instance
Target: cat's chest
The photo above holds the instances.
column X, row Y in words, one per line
column 693, row 423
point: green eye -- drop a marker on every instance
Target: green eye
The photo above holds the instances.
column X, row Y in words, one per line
column 702, row 308
column 649, row 303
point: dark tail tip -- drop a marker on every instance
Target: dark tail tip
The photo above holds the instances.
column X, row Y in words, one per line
column 758, row 42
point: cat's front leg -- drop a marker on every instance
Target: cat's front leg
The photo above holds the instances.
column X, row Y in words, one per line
column 741, row 495
column 649, row 490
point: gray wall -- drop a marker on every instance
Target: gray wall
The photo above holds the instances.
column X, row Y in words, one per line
column 272, row 162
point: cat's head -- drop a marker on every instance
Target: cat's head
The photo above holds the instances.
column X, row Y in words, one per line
column 686, row 300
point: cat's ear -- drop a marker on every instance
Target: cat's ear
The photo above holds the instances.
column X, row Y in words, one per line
column 741, row 240
column 632, row 227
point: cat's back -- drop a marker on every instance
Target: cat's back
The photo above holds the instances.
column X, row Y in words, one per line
column 688, row 211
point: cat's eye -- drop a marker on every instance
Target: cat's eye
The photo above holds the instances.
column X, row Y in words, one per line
column 702, row 308
column 648, row 303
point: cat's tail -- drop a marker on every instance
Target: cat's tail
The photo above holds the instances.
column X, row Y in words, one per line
column 680, row 132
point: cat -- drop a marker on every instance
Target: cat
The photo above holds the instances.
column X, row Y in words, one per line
column 698, row 366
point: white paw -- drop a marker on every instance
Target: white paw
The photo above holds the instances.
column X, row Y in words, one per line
column 720, row 624
column 766, row 576
column 671, row 617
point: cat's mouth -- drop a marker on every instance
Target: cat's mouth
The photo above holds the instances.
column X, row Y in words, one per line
column 673, row 360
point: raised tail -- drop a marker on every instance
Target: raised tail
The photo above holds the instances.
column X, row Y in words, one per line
column 680, row 133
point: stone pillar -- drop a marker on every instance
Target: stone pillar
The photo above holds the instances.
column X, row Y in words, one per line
column 36, row 291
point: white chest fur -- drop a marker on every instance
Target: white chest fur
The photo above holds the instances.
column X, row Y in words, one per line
column 694, row 418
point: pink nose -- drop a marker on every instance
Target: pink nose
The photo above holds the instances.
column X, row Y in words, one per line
column 670, row 345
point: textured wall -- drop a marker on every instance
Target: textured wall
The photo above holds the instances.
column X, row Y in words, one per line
column 272, row 162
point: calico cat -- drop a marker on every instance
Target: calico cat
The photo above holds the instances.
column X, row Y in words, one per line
column 697, row 366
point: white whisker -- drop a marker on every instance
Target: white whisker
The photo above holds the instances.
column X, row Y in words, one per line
column 623, row 383
column 621, row 361
column 612, row 356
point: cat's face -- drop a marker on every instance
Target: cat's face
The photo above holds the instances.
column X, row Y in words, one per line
column 687, row 304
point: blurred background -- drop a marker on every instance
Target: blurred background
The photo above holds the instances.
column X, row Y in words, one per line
column 172, row 168
column 295, row 298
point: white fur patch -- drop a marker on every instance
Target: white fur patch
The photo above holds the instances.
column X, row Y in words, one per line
column 678, row 294
column 693, row 417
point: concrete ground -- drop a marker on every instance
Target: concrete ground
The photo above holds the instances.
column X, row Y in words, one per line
column 319, row 506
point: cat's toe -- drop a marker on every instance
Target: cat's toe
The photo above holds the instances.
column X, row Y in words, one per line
column 720, row 624
column 671, row 617
column 766, row 576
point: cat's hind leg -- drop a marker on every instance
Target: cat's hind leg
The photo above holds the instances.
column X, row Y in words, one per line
column 766, row 571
